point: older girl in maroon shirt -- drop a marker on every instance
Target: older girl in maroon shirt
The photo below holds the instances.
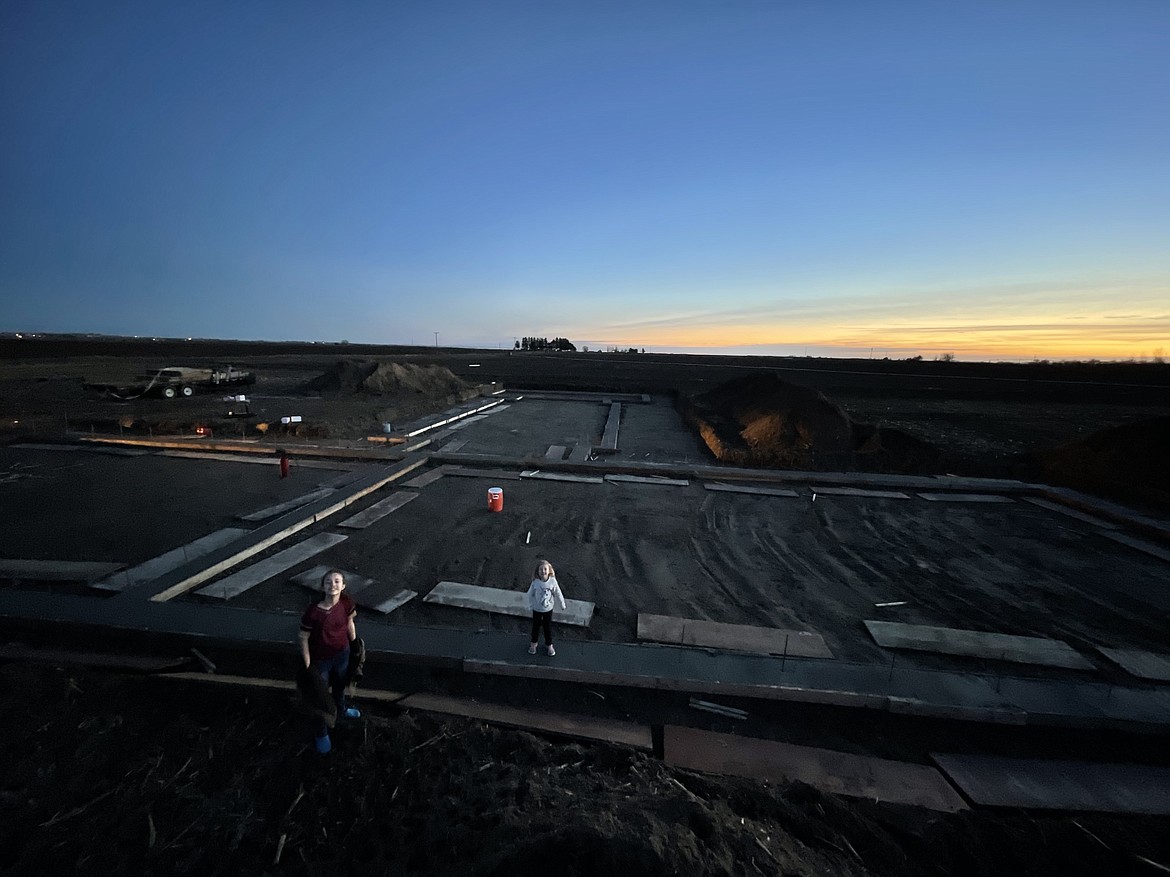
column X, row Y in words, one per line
column 327, row 629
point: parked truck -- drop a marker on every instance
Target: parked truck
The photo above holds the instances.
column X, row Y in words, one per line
column 174, row 382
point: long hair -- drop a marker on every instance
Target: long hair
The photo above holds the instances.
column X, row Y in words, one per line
column 552, row 573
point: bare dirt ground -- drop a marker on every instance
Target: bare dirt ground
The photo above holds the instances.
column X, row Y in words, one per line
column 126, row 774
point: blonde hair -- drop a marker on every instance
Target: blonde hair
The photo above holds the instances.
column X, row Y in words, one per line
column 325, row 577
column 552, row 573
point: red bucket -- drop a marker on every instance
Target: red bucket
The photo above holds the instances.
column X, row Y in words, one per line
column 495, row 499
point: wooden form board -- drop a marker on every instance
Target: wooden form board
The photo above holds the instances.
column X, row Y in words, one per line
column 1139, row 545
column 286, row 506
column 609, row 438
column 173, row 559
column 367, row 593
column 977, row 644
column 250, row 576
column 562, row 476
column 453, row 446
column 838, row 773
column 736, row 637
column 749, row 488
column 426, row 478
column 1059, row 785
column 379, row 510
column 505, row 602
column 1144, row 665
column 1072, row 513
column 582, row 727
column 555, row 452
column 56, row 570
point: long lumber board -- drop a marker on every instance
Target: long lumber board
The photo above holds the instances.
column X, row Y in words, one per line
column 737, row 637
column 505, row 602
column 250, row 576
column 977, row 644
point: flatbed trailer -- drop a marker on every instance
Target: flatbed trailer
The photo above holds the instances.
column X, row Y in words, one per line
column 173, row 382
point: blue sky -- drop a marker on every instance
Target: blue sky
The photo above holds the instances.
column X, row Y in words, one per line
column 990, row 179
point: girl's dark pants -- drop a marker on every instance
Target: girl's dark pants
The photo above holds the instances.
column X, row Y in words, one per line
column 333, row 671
column 539, row 620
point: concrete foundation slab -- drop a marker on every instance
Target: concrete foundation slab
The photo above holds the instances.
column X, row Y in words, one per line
column 56, row 570
column 977, row 644
column 250, row 576
column 379, row 510
column 858, row 491
column 1059, row 785
column 737, row 637
column 648, row 479
column 287, row 506
column 561, row 724
column 965, row 497
column 576, row 612
column 169, row 561
column 366, row 592
column 750, row 488
column 1144, row 665
column 837, row 773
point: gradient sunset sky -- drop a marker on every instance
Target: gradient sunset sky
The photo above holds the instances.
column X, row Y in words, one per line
column 982, row 178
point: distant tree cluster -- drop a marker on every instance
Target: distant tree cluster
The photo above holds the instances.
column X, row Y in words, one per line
column 530, row 343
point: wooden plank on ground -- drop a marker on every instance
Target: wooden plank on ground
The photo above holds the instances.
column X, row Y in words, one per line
column 453, row 446
column 555, row 452
column 426, row 478
column 561, row 476
column 749, row 488
column 609, row 438
column 965, row 497
column 735, row 637
column 580, row 454
column 977, row 644
column 1072, row 513
column 838, row 773
column 564, row 724
column 1144, row 665
column 648, row 479
column 250, row 576
column 56, row 570
column 1139, row 545
column 171, row 560
column 494, row 474
column 505, row 602
column 379, row 510
column 286, row 506
column 1059, row 785
column 858, row 491
column 367, row 593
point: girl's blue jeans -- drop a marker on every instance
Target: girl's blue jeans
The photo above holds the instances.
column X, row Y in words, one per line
column 333, row 671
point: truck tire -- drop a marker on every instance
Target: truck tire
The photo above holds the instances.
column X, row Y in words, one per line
column 188, row 391
column 169, row 392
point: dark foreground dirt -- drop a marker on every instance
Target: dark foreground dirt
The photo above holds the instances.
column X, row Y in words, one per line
column 109, row 774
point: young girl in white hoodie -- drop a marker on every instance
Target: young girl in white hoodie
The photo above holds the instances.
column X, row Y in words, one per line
column 541, row 594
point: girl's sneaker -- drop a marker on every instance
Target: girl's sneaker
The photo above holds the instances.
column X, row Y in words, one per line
column 353, row 713
column 551, row 651
column 532, row 648
column 323, row 744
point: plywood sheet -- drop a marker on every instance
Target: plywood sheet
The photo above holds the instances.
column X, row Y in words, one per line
column 505, row 602
column 736, row 637
column 977, row 644
column 235, row 584
column 622, row 733
column 1059, row 785
column 837, row 773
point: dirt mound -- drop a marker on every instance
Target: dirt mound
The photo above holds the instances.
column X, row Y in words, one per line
column 121, row 775
column 349, row 376
column 763, row 421
column 1130, row 462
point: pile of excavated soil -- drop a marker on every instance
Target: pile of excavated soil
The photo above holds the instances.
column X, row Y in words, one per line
column 1130, row 462
column 763, row 421
column 124, row 775
column 349, row 376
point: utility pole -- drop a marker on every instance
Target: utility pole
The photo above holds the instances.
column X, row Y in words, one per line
column 436, row 340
